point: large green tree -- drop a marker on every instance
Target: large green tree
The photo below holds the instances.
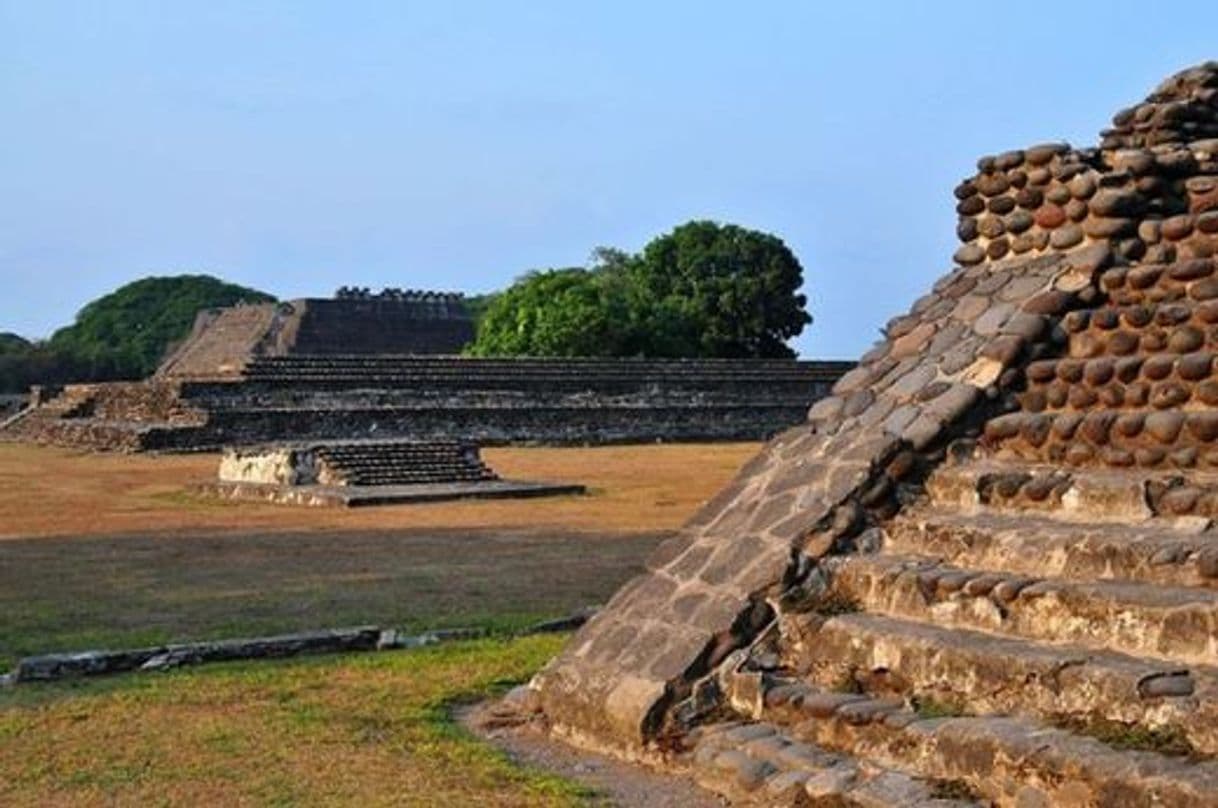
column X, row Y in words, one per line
column 126, row 333
column 557, row 312
column 737, row 290
column 703, row 290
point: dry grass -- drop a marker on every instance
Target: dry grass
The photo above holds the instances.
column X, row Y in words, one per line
column 59, row 492
column 111, row 550
column 353, row 730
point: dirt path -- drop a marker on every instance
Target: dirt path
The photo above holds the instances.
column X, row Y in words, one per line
column 616, row 782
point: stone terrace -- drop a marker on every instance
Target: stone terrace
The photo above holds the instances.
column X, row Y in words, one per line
column 984, row 571
column 315, row 397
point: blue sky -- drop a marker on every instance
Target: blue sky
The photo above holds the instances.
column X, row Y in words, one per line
column 300, row 146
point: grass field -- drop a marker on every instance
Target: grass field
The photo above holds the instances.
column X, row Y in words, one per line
column 344, row 730
column 65, row 594
column 110, row 551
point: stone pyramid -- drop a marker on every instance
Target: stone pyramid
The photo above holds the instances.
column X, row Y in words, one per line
column 984, row 571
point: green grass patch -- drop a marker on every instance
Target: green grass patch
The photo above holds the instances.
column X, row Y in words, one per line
column 353, row 729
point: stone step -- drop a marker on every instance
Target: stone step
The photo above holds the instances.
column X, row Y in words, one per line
column 1034, row 545
column 758, row 763
column 1172, row 623
column 1140, row 329
column 981, row 674
column 1006, row 761
column 1106, row 436
column 1076, row 494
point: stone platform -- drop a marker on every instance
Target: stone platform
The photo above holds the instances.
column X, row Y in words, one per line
column 493, row 401
column 985, row 570
column 341, row 496
column 365, row 473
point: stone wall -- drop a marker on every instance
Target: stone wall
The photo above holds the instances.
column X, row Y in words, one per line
column 421, row 398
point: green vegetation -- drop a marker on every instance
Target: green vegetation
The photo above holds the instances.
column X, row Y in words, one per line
column 122, row 335
column 133, row 326
column 930, row 707
column 703, row 290
column 12, row 343
column 1166, row 740
column 372, row 729
column 558, row 312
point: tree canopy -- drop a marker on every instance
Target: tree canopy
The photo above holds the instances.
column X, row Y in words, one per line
column 122, row 335
column 134, row 325
column 737, row 289
column 11, row 343
column 703, row 290
column 557, row 312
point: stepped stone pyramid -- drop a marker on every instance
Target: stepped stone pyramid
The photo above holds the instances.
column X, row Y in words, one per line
column 983, row 571
column 223, row 342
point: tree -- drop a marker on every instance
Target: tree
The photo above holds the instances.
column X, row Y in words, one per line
column 557, row 312
column 703, row 290
column 11, row 343
column 736, row 290
column 126, row 333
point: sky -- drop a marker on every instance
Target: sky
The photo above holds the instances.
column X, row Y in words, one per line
column 300, row 146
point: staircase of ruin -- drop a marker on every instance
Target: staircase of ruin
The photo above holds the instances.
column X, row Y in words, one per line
column 364, row 463
column 985, row 572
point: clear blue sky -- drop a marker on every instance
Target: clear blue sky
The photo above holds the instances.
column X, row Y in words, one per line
column 299, row 146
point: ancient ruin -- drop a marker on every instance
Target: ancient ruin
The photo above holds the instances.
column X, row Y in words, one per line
column 367, row 472
column 385, row 366
column 985, row 568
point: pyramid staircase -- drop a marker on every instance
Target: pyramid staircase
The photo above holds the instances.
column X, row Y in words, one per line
column 986, row 571
column 990, row 654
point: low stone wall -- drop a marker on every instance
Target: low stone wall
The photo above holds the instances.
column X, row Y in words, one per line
column 270, row 465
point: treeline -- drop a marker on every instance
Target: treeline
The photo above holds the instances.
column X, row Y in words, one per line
column 122, row 335
column 703, row 290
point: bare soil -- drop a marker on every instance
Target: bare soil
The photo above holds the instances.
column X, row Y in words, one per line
column 60, row 492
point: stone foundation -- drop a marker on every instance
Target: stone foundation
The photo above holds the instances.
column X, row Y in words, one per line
column 490, row 401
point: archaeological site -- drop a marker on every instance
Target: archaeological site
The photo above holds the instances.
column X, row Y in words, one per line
column 364, row 366
column 984, row 569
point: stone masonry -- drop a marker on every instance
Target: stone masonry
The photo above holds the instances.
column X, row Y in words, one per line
column 313, row 397
column 361, row 473
column 983, row 571
column 224, row 341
